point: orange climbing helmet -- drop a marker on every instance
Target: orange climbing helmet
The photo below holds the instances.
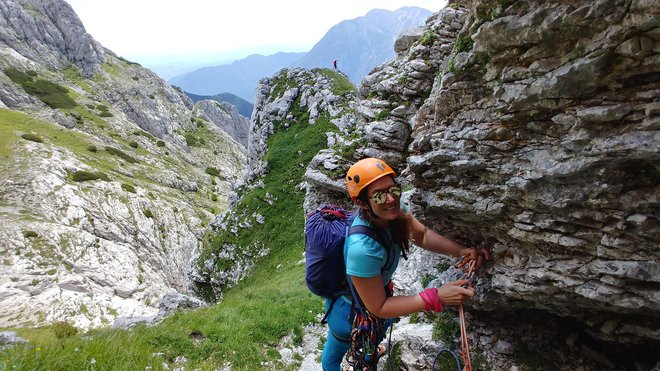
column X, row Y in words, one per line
column 365, row 172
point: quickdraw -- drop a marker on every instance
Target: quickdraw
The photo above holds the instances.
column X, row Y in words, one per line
column 367, row 333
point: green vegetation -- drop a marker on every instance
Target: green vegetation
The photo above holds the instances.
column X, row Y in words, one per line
column 119, row 153
column 395, row 361
column 428, row 38
column 427, row 279
column 198, row 121
column 340, row 84
column 442, row 266
column 30, row 234
column 212, row 171
column 192, row 140
column 54, row 95
column 382, row 115
column 32, row 137
column 128, row 62
column 64, row 330
column 199, row 137
column 84, row 176
column 145, row 134
column 148, row 213
column 128, row 187
column 347, row 152
column 160, row 143
column 104, row 110
column 280, row 85
column 243, row 329
column 446, row 328
column 463, row 43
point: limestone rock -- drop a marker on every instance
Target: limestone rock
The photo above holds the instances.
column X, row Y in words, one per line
column 104, row 205
column 532, row 130
column 50, row 33
column 227, row 118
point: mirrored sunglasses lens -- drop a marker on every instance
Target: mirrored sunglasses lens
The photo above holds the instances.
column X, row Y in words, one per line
column 379, row 197
column 395, row 191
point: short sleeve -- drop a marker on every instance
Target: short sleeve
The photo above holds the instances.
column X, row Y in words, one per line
column 405, row 207
column 364, row 256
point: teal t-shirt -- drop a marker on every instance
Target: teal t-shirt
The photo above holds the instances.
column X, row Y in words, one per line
column 367, row 258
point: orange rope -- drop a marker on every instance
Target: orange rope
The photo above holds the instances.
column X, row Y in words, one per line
column 467, row 266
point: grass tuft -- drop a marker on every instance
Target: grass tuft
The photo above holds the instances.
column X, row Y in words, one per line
column 85, row 176
column 32, row 137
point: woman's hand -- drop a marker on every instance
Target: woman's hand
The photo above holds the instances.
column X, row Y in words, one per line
column 453, row 293
column 477, row 255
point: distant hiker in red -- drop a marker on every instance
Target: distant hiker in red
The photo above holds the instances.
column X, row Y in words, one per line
column 334, row 63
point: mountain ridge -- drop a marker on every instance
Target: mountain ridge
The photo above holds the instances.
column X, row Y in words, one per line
column 377, row 30
column 239, row 77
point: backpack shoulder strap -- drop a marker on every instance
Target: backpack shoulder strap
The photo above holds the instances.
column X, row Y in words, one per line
column 366, row 230
column 373, row 234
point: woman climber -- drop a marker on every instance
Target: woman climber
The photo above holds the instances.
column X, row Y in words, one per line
column 371, row 185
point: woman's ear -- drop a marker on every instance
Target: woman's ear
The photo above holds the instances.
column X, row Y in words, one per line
column 361, row 204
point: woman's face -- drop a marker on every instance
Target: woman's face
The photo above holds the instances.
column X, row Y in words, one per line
column 386, row 191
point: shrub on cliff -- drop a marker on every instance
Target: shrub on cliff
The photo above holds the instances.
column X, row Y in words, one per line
column 84, row 176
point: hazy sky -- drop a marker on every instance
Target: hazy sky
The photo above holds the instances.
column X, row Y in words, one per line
column 148, row 30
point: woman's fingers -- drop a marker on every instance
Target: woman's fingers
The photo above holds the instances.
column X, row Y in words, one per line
column 453, row 293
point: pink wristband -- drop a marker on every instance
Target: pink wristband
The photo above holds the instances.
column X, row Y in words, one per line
column 431, row 300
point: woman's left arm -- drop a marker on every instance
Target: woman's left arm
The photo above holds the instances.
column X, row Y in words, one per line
column 429, row 240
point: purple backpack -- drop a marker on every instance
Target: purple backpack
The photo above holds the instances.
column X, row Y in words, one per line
column 326, row 229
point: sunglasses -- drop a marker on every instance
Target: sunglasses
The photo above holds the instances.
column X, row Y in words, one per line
column 380, row 197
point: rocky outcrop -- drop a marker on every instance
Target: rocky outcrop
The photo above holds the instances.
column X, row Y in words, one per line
column 225, row 116
column 389, row 98
column 50, row 34
column 544, row 145
column 275, row 99
column 106, row 195
column 532, row 128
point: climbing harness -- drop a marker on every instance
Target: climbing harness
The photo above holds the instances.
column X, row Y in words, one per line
column 366, row 335
column 468, row 266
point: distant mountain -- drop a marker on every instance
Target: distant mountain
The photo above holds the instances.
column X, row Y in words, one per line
column 358, row 45
column 362, row 43
column 244, row 107
column 239, row 78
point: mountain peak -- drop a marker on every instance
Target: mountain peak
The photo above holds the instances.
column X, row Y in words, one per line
column 50, row 33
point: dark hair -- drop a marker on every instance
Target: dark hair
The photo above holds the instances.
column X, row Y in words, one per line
column 399, row 227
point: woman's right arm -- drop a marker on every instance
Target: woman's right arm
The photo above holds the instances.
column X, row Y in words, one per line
column 373, row 296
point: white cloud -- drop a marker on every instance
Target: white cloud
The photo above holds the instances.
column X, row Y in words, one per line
column 144, row 29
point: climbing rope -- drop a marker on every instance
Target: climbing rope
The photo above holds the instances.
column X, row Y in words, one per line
column 468, row 266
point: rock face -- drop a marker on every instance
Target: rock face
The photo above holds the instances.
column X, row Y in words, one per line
column 227, row 118
column 544, row 145
column 105, row 200
column 531, row 128
column 49, row 33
